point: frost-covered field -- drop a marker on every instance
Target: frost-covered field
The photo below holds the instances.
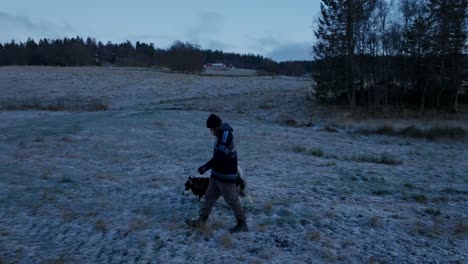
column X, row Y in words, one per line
column 106, row 187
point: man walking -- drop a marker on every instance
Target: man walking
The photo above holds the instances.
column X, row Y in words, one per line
column 224, row 174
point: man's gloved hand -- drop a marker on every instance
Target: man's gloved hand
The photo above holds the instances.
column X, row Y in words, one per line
column 202, row 170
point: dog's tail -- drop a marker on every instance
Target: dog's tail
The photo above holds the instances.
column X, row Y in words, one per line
column 240, row 171
column 243, row 185
column 241, row 182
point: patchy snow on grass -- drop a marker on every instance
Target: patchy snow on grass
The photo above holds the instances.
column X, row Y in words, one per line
column 107, row 187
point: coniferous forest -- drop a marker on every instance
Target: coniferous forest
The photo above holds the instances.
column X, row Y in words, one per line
column 392, row 53
column 181, row 56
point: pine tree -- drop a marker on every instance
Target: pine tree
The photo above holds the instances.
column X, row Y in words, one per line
column 336, row 35
column 449, row 38
column 330, row 51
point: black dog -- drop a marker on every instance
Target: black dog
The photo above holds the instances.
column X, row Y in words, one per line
column 199, row 185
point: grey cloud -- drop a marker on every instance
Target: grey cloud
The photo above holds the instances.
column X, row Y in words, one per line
column 267, row 41
column 20, row 28
column 151, row 36
column 20, row 21
column 291, row 51
column 209, row 23
column 217, row 45
column 159, row 40
column 205, row 28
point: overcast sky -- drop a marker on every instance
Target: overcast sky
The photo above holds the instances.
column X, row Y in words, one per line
column 282, row 30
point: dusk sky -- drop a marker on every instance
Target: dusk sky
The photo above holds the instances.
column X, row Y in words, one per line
column 282, row 30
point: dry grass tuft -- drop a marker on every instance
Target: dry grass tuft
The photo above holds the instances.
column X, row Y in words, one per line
column 105, row 176
column 266, row 106
column 23, row 154
column 57, row 104
column 375, row 221
column 383, row 158
column 415, row 132
column 268, row 207
column 420, row 198
column 409, row 186
column 22, row 144
column 159, row 124
column 47, row 197
column 96, row 104
column 376, row 260
column 100, row 225
column 461, row 228
column 216, row 225
column 155, row 185
column 294, row 123
column 149, row 155
column 318, row 152
column 59, row 260
column 205, row 230
column 330, row 129
column 263, row 227
column 331, row 214
column 4, row 233
column 299, row 149
column 66, row 179
column 46, row 175
column 66, row 139
column 39, row 139
column 148, row 211
column 137, row 224
column 226, row 240
column 68, row 215
column 314, row 236
column 433, row 212
column 432, row 231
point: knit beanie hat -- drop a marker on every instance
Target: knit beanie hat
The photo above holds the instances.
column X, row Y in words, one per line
column 213, row 121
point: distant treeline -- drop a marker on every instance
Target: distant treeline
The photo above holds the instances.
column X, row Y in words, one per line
column 380, row 53
column 181, row 56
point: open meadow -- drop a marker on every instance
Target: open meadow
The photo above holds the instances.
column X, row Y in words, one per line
column 100, row 178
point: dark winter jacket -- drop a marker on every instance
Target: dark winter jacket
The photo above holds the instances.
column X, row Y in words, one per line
column 223, row 165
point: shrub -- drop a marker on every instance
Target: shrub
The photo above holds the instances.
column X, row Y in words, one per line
column 295, row 123
column 433, row 212
column 375, row 221
column 383, row 158
column 291, row 122
column 316, row 152
column 381, row 192
column 450, row 132
column 330, row 129
column 56, row 104
column 299, row 149
column 415, row 132
column 66, row 179
column 96, row 104
column 420, row 198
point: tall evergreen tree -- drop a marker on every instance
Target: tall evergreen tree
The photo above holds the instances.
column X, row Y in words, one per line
column 449, row 42
column 336, row 35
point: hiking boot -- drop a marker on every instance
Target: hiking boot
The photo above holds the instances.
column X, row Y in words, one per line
column 196, row 222
column 240, row 227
